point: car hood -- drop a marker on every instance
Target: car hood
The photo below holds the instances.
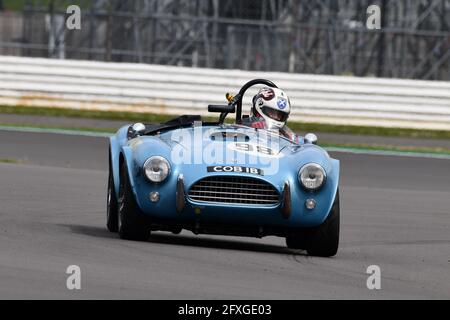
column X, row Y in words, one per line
column 219, row 137
column 229, row 145
column 195, row 151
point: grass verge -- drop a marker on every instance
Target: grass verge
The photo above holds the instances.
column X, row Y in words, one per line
column 68, row 128
column 87, row 114
column 296, row 126
column 324, row 144
column 19, row 5
column 11, row 161
column 376, row 147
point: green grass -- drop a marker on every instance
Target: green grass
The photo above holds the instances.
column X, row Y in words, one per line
column 66, row 128
column 370, row 131
column 59, row 5
column 324, row 144
column 15, row 5
column 11, row 161
column 91, row 114
column 296, row 126
column 378, row 147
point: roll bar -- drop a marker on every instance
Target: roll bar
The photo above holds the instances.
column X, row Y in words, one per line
column 235, row 104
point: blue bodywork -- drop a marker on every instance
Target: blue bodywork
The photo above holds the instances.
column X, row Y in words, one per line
column 289, row 158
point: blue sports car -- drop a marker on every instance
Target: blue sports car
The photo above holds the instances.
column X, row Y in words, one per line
column 223, row 178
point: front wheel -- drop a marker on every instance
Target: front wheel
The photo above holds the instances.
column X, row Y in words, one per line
column 324, row 240
column 133, row 224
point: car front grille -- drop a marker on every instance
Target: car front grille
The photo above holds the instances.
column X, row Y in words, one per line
column 234, row 190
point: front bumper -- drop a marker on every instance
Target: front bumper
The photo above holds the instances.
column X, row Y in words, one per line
column 176, row 206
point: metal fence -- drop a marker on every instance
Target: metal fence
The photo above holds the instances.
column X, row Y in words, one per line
column 297, row 36
column 183, row 90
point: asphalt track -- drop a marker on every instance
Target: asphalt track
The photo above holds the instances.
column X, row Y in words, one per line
column 395, row 214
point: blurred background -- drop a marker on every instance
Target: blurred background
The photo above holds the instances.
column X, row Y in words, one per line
column 378, row 100
column 150, row 60
column 314, row 36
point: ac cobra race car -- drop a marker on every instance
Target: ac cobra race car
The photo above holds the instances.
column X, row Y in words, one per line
column 223, row 178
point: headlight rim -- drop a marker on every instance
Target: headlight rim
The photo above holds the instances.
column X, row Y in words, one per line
column 169, row 168
column 317, row 166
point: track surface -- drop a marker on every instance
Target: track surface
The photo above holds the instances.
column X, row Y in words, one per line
column 395, row 214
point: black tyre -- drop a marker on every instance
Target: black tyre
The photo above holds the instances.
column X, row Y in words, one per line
column 112, row 208
column 298, row 241
column 323, row 241
column 133, row 224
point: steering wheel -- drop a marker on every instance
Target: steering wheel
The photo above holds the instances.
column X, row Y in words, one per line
column 239, row 97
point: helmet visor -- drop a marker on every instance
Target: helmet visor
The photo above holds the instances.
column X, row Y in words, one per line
column 274, row 114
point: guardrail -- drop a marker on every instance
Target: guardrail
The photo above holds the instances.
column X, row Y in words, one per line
column 180, row 90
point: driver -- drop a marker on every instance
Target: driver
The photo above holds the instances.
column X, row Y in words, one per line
column 270, row 110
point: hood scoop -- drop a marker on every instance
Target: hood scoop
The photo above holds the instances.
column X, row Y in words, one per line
column 229, row 136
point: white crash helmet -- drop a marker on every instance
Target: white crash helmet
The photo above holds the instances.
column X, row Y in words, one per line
column 273, row 105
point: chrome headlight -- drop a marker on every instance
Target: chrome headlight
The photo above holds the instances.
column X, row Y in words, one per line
column 156, row 169
column 312, row 176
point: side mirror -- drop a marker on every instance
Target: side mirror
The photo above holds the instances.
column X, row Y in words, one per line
column 311, row 138
column 138, row 129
